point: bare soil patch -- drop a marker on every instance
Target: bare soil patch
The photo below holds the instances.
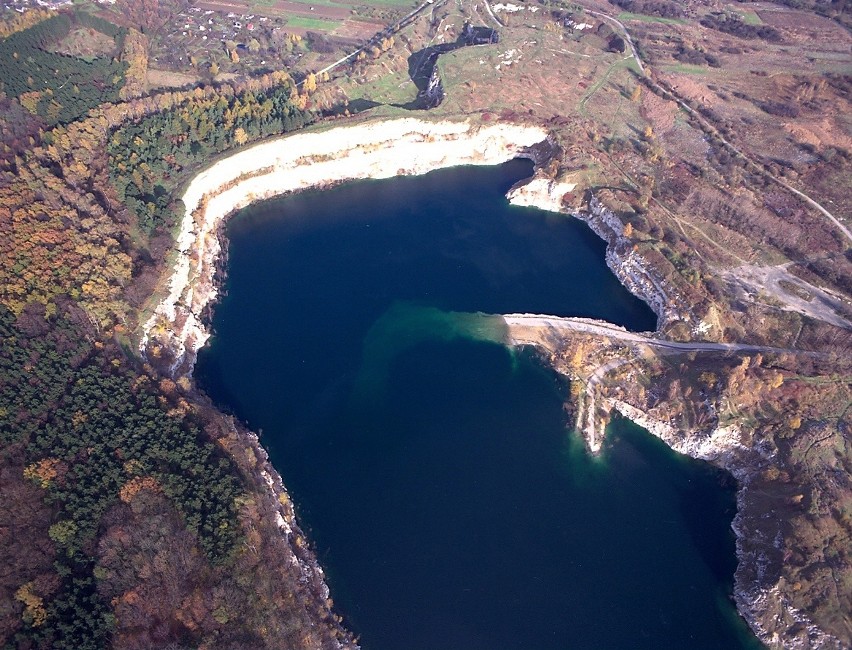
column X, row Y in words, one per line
column 85, row 42
column 659, row 112
column 170, row 79
column 358, row 29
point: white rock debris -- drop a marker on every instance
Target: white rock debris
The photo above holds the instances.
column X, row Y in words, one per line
column 541, row 193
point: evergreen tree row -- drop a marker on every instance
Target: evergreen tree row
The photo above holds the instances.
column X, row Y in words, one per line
column 148, row 156
column 56, row 87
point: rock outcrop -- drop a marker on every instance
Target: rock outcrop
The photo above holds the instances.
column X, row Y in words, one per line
column 628, row 267
column 760, row 591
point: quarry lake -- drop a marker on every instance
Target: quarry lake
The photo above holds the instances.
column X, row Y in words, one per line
column 433, row 468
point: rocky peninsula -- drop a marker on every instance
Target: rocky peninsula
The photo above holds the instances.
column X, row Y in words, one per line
column 606, row 360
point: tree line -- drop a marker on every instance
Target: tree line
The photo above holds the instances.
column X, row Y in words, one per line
column 143, row 520
column 148, row 156
column 661, row 8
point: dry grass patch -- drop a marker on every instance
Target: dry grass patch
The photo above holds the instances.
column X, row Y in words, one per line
column 170, row 79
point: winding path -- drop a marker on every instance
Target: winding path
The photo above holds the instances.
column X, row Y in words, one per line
column 586, row 414
column 807, row 199
column 627, row 38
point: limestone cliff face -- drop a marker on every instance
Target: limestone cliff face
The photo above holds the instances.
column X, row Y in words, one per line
column 633, row 272
column 374, row 150
column 758, row 590
column 629, row 267
column 761, row 594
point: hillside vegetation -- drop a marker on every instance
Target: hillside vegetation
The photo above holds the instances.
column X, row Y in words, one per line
column 135, row 515
column 139, row 514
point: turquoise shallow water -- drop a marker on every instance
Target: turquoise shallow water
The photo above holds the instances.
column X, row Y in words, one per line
column 431, row 465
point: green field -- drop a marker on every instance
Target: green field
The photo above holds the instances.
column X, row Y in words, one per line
column 687, row 69
column 313, row 23
column 626, row 15
column 750, row 18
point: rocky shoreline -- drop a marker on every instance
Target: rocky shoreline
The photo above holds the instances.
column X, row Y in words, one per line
column 176, row 330
column 628, row 267
column 761, row 605
column 296, row 549
column 761, row 602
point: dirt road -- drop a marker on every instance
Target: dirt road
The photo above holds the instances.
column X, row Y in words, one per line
column 627, row 38
column 807, row 199
column 537, row 329
column 797, row 296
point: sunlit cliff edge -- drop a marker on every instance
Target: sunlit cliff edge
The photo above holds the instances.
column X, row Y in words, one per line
column 299, row 162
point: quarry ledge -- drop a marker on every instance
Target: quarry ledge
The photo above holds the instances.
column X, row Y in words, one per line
column 381, row 149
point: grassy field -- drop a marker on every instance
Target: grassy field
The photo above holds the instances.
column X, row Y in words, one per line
column 750, row 18
column 392, row 88
column 686, row 69
column 318, row 24
column 170, row 79
column 626, row 15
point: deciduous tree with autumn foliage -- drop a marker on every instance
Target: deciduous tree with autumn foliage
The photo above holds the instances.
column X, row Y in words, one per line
column 143, row 520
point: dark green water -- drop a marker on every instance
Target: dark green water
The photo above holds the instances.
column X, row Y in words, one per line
column 431, row 466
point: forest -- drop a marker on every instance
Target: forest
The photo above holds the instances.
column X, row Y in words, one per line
column 147, row 156
column 56, row 87
column 113, row 255
column 92, row 433
column 134, row 514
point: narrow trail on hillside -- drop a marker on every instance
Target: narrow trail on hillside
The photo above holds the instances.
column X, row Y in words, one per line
column 847, row 233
